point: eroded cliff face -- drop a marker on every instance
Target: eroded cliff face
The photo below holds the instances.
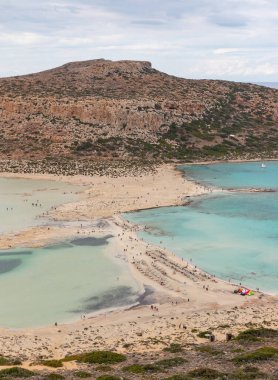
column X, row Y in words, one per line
column 121, row 109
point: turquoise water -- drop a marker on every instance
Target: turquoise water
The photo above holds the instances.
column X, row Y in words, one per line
column 60, row 283
column 231, row 235
column 235, row 175
column 22, row 201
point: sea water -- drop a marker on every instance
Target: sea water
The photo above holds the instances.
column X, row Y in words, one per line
column 23, row 201
column 61, row 283
column 231, row 235
column 57, row 283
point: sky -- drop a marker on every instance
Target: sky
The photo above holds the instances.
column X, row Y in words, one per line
column 216, row 39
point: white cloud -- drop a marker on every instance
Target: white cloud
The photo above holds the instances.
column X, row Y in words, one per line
column 200, row 38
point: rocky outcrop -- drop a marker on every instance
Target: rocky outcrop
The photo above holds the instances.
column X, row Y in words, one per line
column 120, row 109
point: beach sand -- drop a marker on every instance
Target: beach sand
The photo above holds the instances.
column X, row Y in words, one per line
column 184, row 299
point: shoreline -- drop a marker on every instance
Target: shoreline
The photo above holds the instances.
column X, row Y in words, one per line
column 181, row 296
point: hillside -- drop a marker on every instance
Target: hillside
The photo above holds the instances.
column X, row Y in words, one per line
column 106, row 109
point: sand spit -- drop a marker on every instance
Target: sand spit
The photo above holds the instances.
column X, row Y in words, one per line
column 185, row 298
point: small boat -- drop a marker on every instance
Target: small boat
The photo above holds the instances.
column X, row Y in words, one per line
column 263, row 165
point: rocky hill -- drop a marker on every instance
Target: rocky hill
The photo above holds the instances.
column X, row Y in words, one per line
column 106, row 109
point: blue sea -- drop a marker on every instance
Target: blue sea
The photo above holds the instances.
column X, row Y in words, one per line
column 233, row 235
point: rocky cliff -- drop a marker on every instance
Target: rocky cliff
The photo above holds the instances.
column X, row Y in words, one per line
column 126, row 109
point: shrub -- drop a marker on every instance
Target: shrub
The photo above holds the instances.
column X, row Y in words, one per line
column 52, row 363
column 82, row 374
column 97, row 357
column 205, row 373
column 174, row 348
column 263, row 353
column 179, row 377
column 8, row 361
column 255, row 334
column 54, row 376
column 16, row 372
column 208, row 350
column 247, row 373
column 172, row 362
column 140, row 368
column 108, row 377
column 104, row 368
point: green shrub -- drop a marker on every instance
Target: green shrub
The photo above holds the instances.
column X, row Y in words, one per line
column 16, row 372
column 52, row 363
column 263, row 353
column 140, row 368
column 205, row 373
column 179, row 377
column 255, row 334
column 174, row 348
column 172, row 362
column 97, row 357
column 104, row 368
column 135, row 368
column 8, row 361
column 54, row 376
column 247, row 373
column 208, row 350
column 108, row 377
column 82, row 374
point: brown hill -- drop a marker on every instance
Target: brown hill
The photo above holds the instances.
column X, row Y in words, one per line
column 122, row 109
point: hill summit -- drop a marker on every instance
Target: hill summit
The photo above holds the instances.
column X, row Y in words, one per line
column 107, row 109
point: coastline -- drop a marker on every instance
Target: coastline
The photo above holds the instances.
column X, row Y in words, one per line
column 106, row 200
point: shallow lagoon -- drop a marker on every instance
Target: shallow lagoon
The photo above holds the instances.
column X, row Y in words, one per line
column 60, row 283
column 22, row 201
column 232, row 235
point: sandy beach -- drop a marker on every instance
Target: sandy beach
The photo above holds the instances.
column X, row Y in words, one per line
column 177, row 298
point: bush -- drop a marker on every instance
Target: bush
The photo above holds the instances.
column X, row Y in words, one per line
column 204, row 373
column 172, row 362
column 8, row 361
column 16, row 372
column 263, row 353
column 108, row 377
column 174, row 348
column 97, row 357
column 208, row 350
column 54, row 376
column 254, row 334
column 52, row 363
column 82, row 374
column 139, row 368
column 179, row 377
column 247, row 373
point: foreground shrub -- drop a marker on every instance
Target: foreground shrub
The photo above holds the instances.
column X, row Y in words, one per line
column 263, row 353
column 8, row 361
column 108, row 377
column 82, row 374
column 140, row 368
column 169, row 363
column 174, row 348
column 247, row 373
column 16, row 372
column 208, row 350
column 52, row 363
column 205, row 373
column 253, row 335
column 55, row 376
column 97, row 357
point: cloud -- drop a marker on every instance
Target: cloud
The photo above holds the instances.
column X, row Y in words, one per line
column 232, row 39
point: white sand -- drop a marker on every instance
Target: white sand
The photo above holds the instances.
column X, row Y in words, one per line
column 178, row 289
